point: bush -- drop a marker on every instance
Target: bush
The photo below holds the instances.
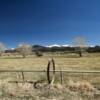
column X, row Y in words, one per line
column 38, row 53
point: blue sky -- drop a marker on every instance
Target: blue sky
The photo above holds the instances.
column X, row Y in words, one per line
column 49, row 21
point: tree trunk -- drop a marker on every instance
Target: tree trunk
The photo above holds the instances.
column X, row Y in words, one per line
column 0, row 54
column 80, row 54
column 24, row 56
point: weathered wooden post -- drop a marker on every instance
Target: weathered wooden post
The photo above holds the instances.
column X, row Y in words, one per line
column 61, row 76
column 23, row 76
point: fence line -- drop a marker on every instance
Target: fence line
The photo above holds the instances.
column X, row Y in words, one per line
column 68, row 71
column 50, row 78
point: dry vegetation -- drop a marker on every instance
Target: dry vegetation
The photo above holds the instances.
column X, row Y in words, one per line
column 56, row 91
column 90, row 62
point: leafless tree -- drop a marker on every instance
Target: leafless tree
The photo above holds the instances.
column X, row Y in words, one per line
column 24, row 49
column 80, row 45
column 2, row 48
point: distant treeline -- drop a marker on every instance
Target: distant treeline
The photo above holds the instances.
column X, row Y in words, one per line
column 64, row 49
column 93, row 49
column 58, row 49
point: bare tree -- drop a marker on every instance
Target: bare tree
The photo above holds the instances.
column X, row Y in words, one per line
column 2, row 48
column 80, row 45
column 24, row 49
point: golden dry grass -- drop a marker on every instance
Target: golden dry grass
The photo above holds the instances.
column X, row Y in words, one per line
column 87, row 62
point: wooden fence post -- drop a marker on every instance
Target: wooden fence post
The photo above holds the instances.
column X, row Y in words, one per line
column 23, row 76
column 61, row 76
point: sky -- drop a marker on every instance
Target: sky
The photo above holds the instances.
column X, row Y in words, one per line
column 49, row 22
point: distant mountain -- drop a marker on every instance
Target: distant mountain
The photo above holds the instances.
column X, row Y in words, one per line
column 54, row 45
column 65, row 45
column 53, row 48
column 57, row 48
column 39, row 48
column 57, row 45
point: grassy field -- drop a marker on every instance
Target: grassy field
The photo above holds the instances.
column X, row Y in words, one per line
column 89, row 62
column 68, row 62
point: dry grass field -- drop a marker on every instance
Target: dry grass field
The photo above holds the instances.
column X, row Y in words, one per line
column 56, row 92
column 89, row 62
